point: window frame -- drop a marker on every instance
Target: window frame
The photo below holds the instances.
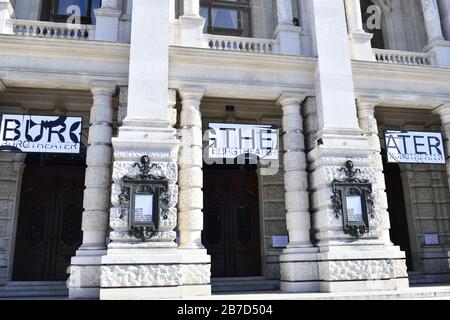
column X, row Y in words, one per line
column 50, row 12
column 240, row 6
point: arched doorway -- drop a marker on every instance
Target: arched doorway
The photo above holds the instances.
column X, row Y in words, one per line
column 50, row 212
column 399, row 232
column 231, row 220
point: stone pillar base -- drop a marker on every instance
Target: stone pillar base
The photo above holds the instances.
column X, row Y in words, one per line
column 362, row 268
column 191, row 31
column 133, row 273
column 299, row 271
column 361, row 46
column 440, row 49
column 288, row 37
column 84, row 281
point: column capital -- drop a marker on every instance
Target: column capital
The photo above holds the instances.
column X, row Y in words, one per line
column 288, row 98
column 443, row 111
column 367, row 102
column 103, row 87
column 2, row 86
column 192, row 93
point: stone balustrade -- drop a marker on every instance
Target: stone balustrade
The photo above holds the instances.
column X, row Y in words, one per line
column 403, row 57
column 52, row 30
column 240, row 44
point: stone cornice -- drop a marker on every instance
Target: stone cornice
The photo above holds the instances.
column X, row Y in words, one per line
column 58, row 48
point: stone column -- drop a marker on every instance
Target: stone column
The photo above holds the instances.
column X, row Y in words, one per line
column 369, row 126
column 6, row 12
column 359, row 39
column 432, row 20
column 107, row 26
column 287, row 35
column 190, row 224
column 298, row 264
column 444, row 7
column 192, row 24
column 85, row 266
column 444, row 113
column 295, row 176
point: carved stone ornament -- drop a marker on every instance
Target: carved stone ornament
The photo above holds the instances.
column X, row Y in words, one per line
column 353, row 200
column 145, row 184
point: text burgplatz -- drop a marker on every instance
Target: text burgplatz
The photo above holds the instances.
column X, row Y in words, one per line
column 229, row 141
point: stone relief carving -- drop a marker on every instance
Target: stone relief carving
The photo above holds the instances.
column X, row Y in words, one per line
column 362, row 270
column 194, row 274
column 140, row 276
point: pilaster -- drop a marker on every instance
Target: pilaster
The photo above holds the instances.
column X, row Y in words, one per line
column 345, row 263
column 107, row 26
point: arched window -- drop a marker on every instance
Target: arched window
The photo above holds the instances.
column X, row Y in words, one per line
column 58, row 10
column 227, row 17
column 377, row 40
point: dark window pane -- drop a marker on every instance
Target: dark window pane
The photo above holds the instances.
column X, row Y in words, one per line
column 63, row 5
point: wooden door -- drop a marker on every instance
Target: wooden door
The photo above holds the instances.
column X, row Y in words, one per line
column 231, row 222
column 49, row 225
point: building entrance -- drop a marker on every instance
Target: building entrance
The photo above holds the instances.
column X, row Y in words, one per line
column 49, row 222
column 231, row 221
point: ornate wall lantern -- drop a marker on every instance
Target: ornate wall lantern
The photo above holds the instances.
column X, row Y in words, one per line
column 353, row 200
column 145, row 196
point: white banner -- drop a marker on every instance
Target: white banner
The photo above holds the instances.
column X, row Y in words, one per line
column 43, row 134
column 414, row 147
column 230, row 141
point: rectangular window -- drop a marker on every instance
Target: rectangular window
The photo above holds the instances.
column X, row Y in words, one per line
column 227, row 17
column 61, row 10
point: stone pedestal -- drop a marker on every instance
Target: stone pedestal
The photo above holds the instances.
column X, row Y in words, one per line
column 286, row 34
column 6, row 12
column 107, row 26
column 191, row 25
column 440, row 50
column 360, row 41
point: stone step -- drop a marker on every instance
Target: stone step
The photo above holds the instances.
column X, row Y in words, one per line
column 247, row 284
column 23, row 289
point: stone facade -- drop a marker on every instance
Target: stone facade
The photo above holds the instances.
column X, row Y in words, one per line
column 332, row 96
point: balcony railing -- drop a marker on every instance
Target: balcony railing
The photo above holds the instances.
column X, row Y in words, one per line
column 52, row 30
column 239, row 44
column 403, row 57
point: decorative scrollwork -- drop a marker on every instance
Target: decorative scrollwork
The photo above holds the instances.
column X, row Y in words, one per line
column 147, row 168
column 143, row 233
column 356, row 231
column 353, row 186
column 352, row 173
